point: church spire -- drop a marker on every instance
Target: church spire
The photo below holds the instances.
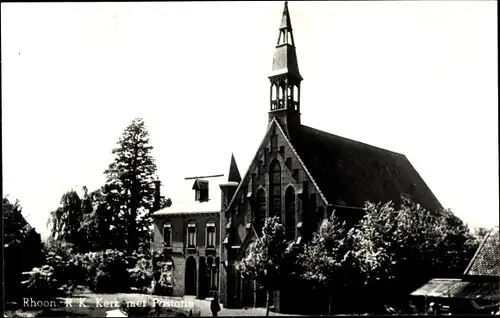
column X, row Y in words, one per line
column 285, row 77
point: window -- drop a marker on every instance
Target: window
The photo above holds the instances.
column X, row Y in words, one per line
column 201, row 190
column 290, row 213
column 191, row 235
column 260, row 216
column 288, row 163
column 167, row 235
column 210, row 239
column 202, row 195
column 282, row 150
column 274, row 142
column 275, row 188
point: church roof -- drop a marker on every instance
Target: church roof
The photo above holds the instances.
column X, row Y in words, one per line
column 486, row 261
column 350, row 172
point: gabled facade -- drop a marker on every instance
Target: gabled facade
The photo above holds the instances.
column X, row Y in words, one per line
column 302, row 175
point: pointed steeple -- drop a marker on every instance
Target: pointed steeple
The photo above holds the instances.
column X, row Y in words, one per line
column 285, row 77
column 285, row 19
column 234, row 173
column 285, row 56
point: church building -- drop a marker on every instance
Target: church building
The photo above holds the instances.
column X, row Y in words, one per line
column 302, row 175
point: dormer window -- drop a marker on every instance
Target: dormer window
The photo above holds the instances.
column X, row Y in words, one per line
column 201, row 190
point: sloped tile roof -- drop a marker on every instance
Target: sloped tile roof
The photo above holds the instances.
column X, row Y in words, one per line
column 476, row 290
column 486, row 261
column 350, row 173
column 437, row 287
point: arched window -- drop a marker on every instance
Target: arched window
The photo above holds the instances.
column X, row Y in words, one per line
column 290, row 213
column 260, row 214
column 275, row 189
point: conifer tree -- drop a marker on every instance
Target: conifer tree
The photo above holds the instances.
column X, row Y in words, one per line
column 129, row 189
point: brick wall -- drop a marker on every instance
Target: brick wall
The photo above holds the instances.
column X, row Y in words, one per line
column 179, row 252
column 308, row 206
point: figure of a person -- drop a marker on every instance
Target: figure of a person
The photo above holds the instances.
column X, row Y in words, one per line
column 214, row 305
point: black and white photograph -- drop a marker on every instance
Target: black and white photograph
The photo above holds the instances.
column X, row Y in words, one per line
column 238, row 158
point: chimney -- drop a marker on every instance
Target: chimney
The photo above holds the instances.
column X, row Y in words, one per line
column 156, row 205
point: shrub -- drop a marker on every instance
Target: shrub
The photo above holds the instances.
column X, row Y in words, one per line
column 141, row 275
column 41, row 283
column 67, row 270
column 163, row 286
column 103, row 282
column 105, row 271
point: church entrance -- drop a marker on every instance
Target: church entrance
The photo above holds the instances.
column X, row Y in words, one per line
column 190, row 277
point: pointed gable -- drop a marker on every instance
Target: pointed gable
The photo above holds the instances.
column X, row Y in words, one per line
column 260, row 159
column 234, row 173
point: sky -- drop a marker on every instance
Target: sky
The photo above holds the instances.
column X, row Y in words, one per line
column 415, row 77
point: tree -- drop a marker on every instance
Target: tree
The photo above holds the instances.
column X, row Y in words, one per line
column 129, row 190
column 411, row 245
column 266, row 258
column 480, row 233
column 66, row 219
column 23, row 248
column 83, row 223
column 96, row 225
column 330, row 260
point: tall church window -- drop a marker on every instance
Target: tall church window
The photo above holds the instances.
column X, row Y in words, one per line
column 260, row 214
column 275, row 189
column 290, row 213
column 274, row 142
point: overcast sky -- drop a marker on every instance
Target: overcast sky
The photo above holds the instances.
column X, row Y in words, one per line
column 419, row 78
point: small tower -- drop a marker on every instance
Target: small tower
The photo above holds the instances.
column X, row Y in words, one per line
column 285, row 77
column 234, row 173
column 229, row 188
